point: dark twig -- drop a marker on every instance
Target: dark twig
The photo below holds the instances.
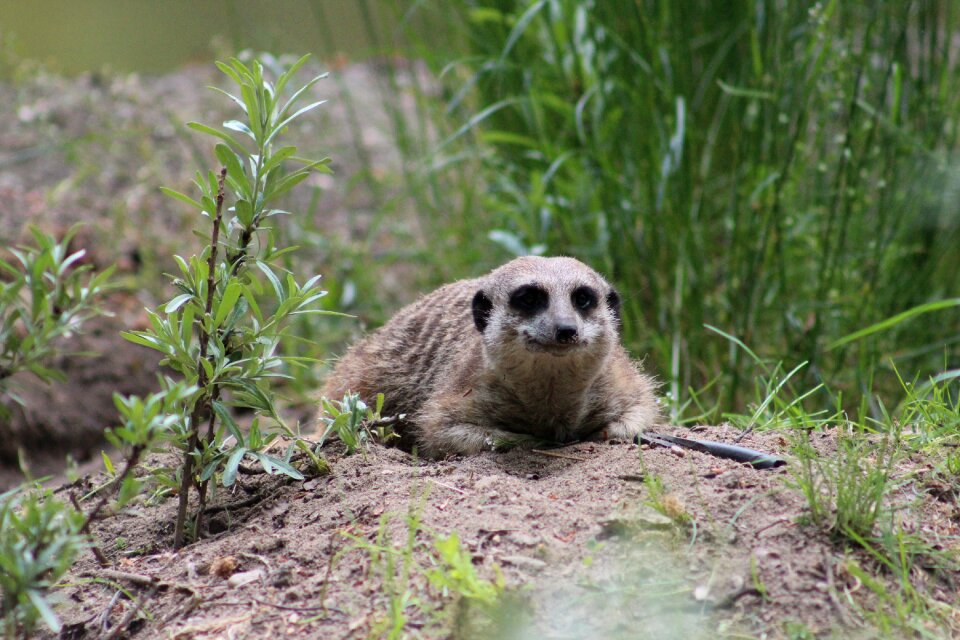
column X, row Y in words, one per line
column 832, row 591
column 252, row 601
column 105, row 615
column 84, row 530
column 132, row 461
column 137, row 607
column 289, row 608
column 125, row 576
column 247, row 502
column 772, row 525
column 731, row 599
column 554, row 454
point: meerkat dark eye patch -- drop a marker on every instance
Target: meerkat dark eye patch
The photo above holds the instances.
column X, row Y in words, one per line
column 613, row 303
column 584, row 298
column 482, row 306
column 529, row 299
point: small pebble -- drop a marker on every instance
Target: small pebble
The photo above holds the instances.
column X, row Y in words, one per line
column 244, row 577
column 524, row 562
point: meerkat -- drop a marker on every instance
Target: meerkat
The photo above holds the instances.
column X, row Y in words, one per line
column 529, row 352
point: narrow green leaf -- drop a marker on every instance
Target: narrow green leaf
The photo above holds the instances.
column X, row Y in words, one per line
column 244, row 212
column 278, row 157
column 477, row 119
column 182, row 197
column 207, row 368
column 226, row 137
column 522, row 23
column 44, row 609
column 272, row 277
column 237, row 100
column 186, row 325
column 224, row 414
column 232, row 466
column 242, row 69
column 143, row 339
column 745, row 93
column 289, row 73
column 895, row 320
column 108, row 463
column 232, row 161
column 736, row 341
column 252, row 301
column 287, row 183
column 210, row 469
column 299, row 92
column 290, row 119
column 226, row 69
column 284, row 467
column 182, row 264
column 508, row 137
column 253, row 110
column 177, row 302
column 236, row 125
column 230, row 297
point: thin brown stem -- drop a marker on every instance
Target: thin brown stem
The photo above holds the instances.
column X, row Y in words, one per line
column 203, row 404
column 94, row 549
column 202, row 489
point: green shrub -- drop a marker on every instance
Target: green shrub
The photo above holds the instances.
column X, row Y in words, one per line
column 39, row 539
column 45, row 294
column 354, row 423
column 40, row 535
column 218, row 332
column 780, row 170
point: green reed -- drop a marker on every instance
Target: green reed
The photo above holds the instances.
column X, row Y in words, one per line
column 779, row 170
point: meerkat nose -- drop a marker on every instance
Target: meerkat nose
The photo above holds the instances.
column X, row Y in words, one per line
column 566, row 333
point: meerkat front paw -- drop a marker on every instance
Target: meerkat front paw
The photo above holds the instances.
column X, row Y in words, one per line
column 619, row 430
column 469, row 439
column 633, row 422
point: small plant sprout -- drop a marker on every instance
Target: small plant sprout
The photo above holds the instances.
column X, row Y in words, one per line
column 456, row 574
column 354, row 423
column 40, row 536
column 39, row 539
column 45, row 294
column 220, row 332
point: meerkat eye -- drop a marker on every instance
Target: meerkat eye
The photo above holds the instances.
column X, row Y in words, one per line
column 529, row 299
column 584, row 298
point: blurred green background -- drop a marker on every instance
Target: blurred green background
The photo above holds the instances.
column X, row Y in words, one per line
column 153, row 37
column 760, row 178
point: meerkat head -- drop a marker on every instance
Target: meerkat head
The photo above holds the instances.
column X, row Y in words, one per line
column 555, row 306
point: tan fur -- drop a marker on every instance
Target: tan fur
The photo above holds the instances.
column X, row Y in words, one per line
column 465, row 390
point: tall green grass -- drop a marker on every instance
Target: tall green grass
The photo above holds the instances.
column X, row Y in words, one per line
column 783, row 171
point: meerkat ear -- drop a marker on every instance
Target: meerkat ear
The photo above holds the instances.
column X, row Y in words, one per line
column 613, row 303
column 482, row 306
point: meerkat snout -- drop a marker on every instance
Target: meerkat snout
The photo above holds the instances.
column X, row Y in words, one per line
column 566, row 333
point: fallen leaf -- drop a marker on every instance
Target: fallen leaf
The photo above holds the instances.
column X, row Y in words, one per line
column 224, row 567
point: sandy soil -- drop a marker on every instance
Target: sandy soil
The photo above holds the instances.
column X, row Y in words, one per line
column 572, row 530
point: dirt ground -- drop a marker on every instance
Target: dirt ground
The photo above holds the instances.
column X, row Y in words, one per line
column 583, row 545
column 583, row 552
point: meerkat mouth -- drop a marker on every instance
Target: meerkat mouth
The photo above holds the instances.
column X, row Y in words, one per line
column 553, row 348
